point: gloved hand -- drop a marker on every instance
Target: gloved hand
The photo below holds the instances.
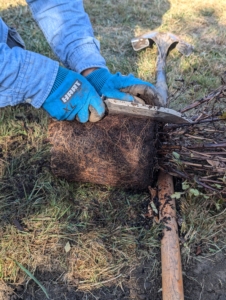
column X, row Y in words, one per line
column 73, row 96
column 121, row 87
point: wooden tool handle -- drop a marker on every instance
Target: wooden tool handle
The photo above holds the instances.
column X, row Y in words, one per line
column 172, row 281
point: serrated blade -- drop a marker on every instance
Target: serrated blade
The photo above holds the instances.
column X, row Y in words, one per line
column 158, row 114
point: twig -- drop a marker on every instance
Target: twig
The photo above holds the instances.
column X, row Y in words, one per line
column 188, row 163
column 208, row 154
column 219, row 145
column 203, row 100
column 197, row 137
column 202, row 157
column 209, row 180
column 180, row 174
column 206, row 186
column 216, row 153
column 174, row 126
column 209, row 176
column 171, row 147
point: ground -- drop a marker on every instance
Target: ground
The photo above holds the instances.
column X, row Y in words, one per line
column 205, row 279
column 84, row 241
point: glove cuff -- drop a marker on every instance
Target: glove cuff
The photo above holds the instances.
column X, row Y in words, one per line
column 98, row 78
column 62, row 73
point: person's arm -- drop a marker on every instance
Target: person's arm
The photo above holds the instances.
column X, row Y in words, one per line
column 3, row 31
column 69, row 33
column 28, row 77
column 68, row 30
column 25, row 76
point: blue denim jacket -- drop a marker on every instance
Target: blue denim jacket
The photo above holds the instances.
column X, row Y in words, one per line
column 27, row 76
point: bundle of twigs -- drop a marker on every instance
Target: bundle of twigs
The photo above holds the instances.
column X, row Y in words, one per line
column 197, row 152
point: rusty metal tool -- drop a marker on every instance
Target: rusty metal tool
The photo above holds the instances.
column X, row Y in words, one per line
column 172, row 280
column 157, row 113
column 164, row 42
column 138, row 109
column 160, row 113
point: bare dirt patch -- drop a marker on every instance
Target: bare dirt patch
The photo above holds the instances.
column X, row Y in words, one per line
column 206, row 279
column 203, row 280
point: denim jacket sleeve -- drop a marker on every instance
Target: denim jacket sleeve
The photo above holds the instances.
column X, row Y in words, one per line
column 68, row 30
column 25, row 76
column 3, row 31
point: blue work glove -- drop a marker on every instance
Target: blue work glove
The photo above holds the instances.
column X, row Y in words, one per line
column 121, row 87
column 73, row 96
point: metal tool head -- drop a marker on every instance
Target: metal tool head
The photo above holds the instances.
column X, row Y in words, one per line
column 163, row 41
column 158, row 114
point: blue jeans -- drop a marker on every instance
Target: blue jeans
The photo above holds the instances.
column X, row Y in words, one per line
column 27, row 76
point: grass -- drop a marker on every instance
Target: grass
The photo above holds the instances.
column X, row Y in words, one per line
column 105, row 227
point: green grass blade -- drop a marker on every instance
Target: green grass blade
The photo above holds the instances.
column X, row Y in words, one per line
column 32, row 277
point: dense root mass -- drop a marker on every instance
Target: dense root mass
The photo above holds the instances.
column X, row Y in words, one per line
column 117, row 151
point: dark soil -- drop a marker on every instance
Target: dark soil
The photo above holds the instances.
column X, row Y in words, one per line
column 203, row 280
column 136, row 285
column 206, row 279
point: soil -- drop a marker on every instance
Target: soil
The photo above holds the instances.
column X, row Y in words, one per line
column 204, row 279
column 137, row 285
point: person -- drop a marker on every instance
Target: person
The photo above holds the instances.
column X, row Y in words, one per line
column 75, row 90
